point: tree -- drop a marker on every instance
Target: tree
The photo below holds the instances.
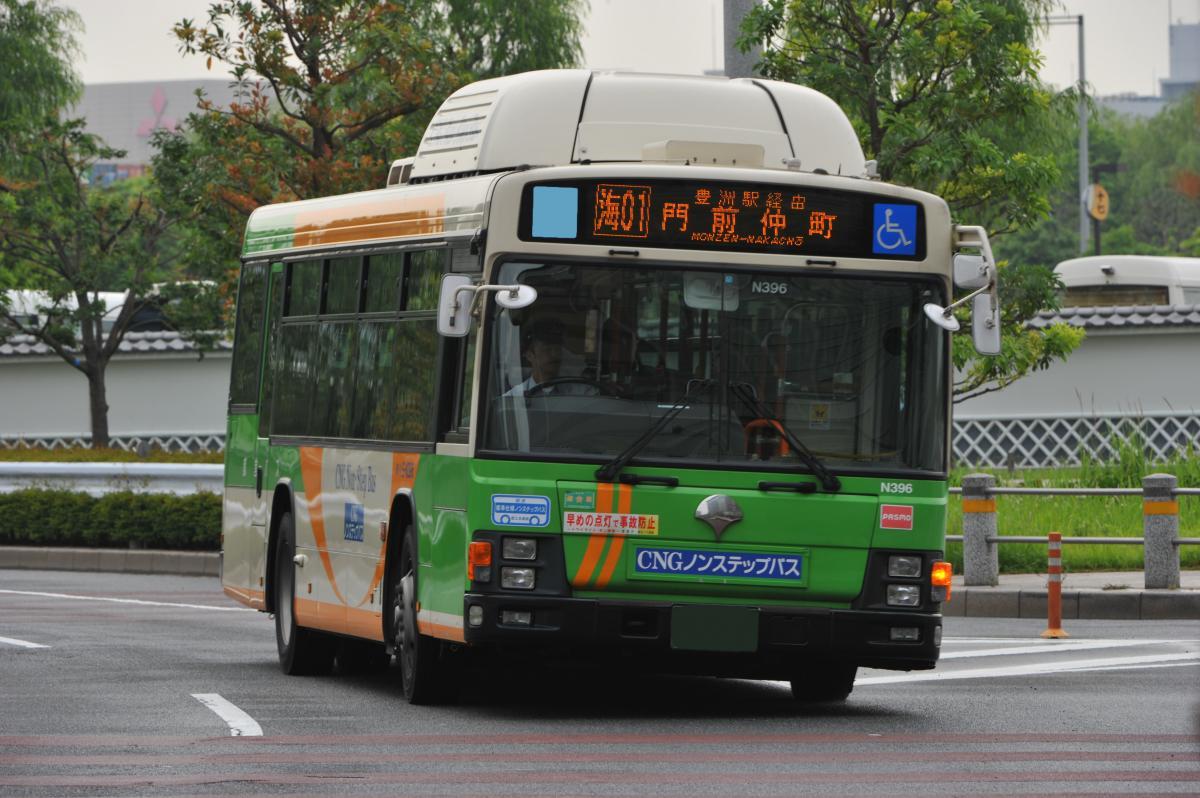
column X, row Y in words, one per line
column 945, row 97
column 36, row 47
column 329, row 92
column 70, row 242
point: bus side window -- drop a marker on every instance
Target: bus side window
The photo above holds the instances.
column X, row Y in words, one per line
column 270, row 362
column 425, row 269
column 248, row 336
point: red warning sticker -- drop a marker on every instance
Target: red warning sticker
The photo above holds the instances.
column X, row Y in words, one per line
column 895, row 516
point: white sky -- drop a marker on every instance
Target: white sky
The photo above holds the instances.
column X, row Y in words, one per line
column 1125, row 40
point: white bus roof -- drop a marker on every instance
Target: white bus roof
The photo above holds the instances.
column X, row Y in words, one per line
column 560, row 117
column 1129, row 270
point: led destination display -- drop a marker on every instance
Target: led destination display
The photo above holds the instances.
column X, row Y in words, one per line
column 718, row 215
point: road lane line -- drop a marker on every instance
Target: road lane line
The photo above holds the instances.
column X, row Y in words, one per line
column 12, row 641
column 126, row 601
column 240, row 724
column 1053, row 646
column 1076, row 665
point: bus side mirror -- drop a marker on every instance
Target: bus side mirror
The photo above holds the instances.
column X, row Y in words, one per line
column 985, row 324
column 457, row 299
column 454, row 305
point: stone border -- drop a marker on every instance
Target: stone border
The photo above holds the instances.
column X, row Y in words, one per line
column 131, row 561
column 1133, row 604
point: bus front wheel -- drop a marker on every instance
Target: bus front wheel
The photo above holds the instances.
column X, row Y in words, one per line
column 301, row 651
column 426, row 678
column 824, row 683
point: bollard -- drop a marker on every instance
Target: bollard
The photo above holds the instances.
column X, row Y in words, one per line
column 1054, row 588
column 1160, row 530
column 981, row 562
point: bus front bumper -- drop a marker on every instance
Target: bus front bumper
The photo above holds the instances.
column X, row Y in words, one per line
column 785, row 638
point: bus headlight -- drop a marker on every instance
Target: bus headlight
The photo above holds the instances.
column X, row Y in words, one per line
column 519, row 549
column 903, row 595
column 517, row 578
column 904, row 567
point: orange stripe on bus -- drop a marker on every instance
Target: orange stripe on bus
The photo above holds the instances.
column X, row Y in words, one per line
column 595, row 547
column 441, row 631
column 330, row 617
column 310, row 469
column 979, row 505
column 624, row 506
column 1160, row 508
column 244, row 595
column 393, row 218
column 610, row 562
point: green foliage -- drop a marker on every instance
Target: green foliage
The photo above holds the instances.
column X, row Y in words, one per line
column 24, row 454
column 946, row 97
column 37, row 46
column 70, row 240
column 1151, row 170
column 329, row 93
column 147, row 520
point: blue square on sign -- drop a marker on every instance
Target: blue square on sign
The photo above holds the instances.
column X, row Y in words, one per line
column 555, row 212
column 894, row 229
column 353, row 522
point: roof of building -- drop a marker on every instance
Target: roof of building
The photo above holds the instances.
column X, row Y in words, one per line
column 1121, row 317
column 134, row 343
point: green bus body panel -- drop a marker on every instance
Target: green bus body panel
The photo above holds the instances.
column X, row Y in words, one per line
column 241, row 437
column 833, row 533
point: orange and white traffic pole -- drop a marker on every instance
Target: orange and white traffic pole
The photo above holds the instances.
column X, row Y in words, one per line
column 1054, row 588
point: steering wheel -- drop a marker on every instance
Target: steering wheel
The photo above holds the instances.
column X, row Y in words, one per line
column 600, row 387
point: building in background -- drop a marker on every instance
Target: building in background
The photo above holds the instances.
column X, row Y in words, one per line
column 1184, row 76
column 1134, row 377
column 125, row 116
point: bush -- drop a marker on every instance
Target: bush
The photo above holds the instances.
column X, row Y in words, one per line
column 115, row 520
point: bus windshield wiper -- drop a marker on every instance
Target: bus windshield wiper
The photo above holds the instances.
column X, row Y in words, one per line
column 609, row 470
column 745, row 393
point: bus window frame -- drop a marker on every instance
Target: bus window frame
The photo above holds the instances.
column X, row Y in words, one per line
column 433, row 424
column 484, row 343
column 250, row 408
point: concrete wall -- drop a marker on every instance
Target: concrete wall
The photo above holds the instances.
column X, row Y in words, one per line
column 1112, row 373
column 147, row 394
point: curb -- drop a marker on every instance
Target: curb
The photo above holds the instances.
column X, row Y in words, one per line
column 970, row 602
column 130, row 561
column 1109, row 605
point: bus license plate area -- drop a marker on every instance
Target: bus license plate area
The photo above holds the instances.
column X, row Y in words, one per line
column 714, row 628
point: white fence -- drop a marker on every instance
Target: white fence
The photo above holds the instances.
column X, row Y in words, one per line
column 98, row 479
column 1044, row 441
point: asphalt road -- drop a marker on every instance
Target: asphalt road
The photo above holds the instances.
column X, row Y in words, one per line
column 108, row 706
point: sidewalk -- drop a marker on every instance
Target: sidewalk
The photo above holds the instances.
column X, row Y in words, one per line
column 1112, row 595
column 1109, row 595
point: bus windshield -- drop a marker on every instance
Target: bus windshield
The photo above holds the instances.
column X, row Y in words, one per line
column 847, row 363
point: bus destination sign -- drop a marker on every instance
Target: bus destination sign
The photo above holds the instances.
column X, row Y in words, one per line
column 719, row 215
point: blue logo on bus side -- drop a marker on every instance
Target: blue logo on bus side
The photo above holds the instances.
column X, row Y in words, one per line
column 353, row 526
column 511, row 510
column 895, row 229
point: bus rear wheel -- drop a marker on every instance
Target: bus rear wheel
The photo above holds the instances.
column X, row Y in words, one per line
column 824, row 683
column 302, row 652
column 424, row 674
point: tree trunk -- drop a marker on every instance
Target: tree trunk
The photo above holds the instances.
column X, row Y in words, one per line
column 98, row 405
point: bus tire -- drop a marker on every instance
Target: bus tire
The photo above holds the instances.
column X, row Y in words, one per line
column 824, row 683
column 423, row 675
column 302, row 652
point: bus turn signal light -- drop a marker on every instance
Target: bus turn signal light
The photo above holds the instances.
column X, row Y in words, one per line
column 479, row 560
column 939, row 578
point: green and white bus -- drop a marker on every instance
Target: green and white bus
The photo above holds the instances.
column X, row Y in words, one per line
column 616, row 365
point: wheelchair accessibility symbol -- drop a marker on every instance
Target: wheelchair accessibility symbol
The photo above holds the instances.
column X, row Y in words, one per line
column 895, row 230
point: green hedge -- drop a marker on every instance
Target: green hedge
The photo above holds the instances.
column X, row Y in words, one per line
column 116, row 520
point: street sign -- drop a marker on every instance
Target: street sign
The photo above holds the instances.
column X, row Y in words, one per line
column 1097, row 202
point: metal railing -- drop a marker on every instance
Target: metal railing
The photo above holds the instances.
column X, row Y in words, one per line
column 97, row 479
column 1160, row 515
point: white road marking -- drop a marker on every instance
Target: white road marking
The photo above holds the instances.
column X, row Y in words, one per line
column 1034, row 669
column 240, row 724
column 142, row 602
column 1050, row 646
column 12, row 641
